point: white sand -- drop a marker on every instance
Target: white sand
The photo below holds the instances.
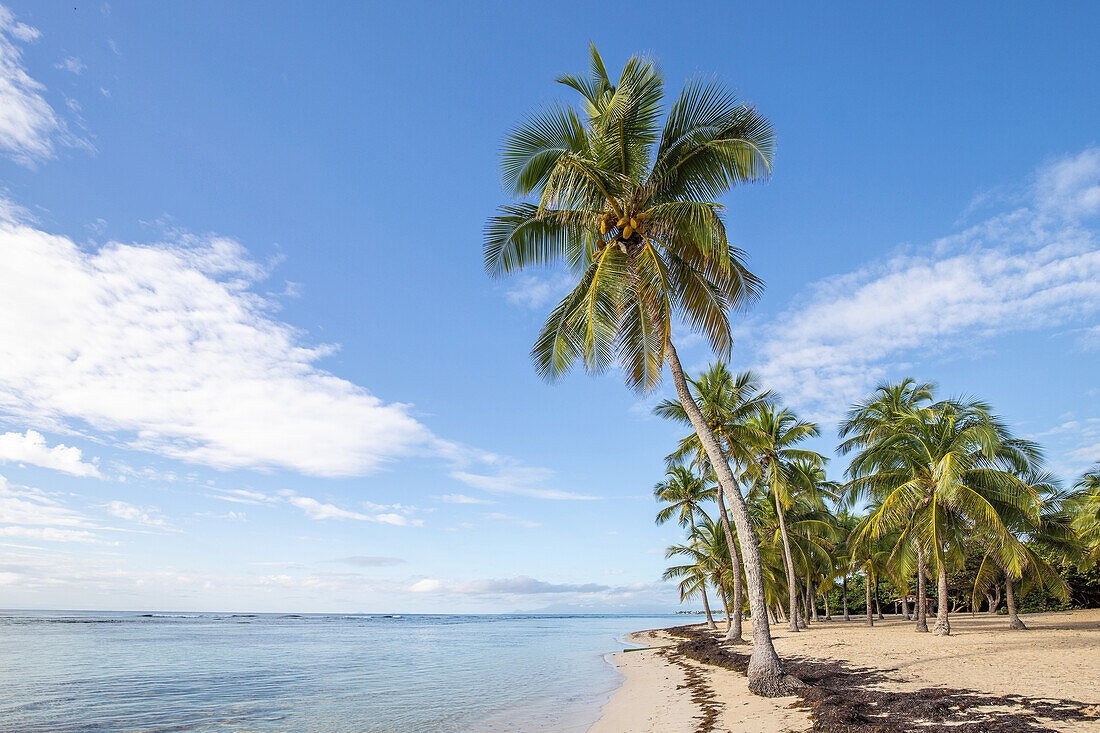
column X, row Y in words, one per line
column 1059, row 657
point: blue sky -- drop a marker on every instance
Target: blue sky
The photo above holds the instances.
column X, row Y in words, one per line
column 249, row 359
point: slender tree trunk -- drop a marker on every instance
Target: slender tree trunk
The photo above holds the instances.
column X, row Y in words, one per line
column 996, row 600
column 867, row 584
column 765, row 671
column 943, row 623
column 726, row 606
column 828, row 613
column 844, row 586
column 811, row 607
column 703, row 587
column 792, row 582
column 922, row 592
column 878, row 603
column 733, row 632
column 1014, row 621
column 905, row 604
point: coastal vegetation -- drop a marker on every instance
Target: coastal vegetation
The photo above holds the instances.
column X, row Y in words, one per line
column 625, row 195
column 935, row 489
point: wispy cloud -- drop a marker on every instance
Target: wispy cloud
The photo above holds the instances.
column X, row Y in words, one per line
column 370, row 561
column 509, row 519
column 31, row 447
column 148, row 516
column 71, row 64
column 1035, row 267
column 30, row 129
column 519, row 480
column 463, row 499
column 314, row 509
column 538, row 291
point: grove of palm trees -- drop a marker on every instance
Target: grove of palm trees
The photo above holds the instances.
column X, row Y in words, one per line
column 939, row 499
column 936, row 490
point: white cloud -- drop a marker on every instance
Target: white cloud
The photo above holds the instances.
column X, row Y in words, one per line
column 30, row 129
column 243, row 496
column 31, row 447
column 520, row 586
column 49, row 534
column 71, row 64
column 1033, row 268
column 140, row 515
column 319, row 510
column 519, row 480
column 168, row 346
column 463, row 499
column 39, row 516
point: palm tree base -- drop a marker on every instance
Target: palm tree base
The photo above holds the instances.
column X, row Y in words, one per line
column 921, row 627
column 941, row 629
column 780, row 685
column 1017, row 624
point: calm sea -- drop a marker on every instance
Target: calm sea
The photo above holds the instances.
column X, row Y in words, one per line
column 91, row 671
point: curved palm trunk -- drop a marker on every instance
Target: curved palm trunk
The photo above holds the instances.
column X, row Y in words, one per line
column 878, row 603
column 867, row 585
column 996, row 600
column 943, row 623
column 844, row 586
column 733, row 631
column 706, row 608
column 703, row 588
column 1014, row 621
column 765, row 671
column 922, row 592
column 792, row 581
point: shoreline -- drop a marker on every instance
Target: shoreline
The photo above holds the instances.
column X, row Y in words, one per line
column 983, row 675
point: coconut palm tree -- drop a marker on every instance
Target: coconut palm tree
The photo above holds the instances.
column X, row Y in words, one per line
column 944, row 474
column 779, row 430
column 706, row 561
column 875, row 418
column 1050, row 528
column 1084, row 504
column 630, row 206
column 682, row 494
column 726, row 403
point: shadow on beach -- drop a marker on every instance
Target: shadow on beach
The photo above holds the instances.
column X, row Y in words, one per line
column 842, row 698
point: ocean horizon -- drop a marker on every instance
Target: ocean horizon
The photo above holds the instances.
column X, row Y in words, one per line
column 191, row 671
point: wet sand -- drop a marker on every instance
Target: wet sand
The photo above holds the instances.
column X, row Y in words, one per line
column 1057, row 659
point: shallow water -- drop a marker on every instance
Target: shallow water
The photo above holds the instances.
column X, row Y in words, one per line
column 92, row 671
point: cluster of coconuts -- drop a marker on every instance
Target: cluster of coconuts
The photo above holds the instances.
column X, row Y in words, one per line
column 627, row 224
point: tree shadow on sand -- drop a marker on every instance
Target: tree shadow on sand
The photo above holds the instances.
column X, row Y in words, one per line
column 839, row 700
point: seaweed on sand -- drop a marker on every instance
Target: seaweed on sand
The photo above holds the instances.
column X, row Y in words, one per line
column 840, row 701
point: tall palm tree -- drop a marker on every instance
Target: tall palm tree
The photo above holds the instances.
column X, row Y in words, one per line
column 943, row 474
column 630, row 206
column 876, row 418
column 779, row 431
column 682, row 493
column 726, row 403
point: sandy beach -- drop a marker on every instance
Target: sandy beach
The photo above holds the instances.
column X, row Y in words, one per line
column 1058, row 658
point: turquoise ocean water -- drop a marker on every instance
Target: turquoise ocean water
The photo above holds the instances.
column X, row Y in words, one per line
column 100, row 671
